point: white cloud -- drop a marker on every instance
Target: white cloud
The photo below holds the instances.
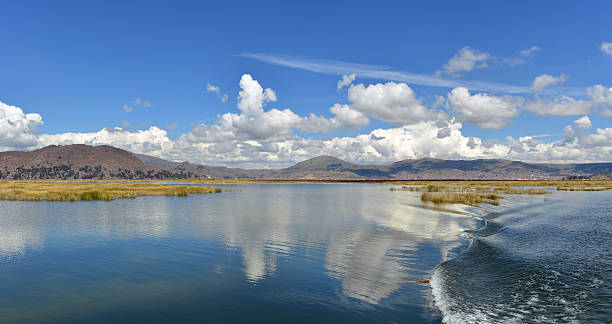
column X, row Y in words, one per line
column 127, row 108
column 484, row 110
column 422, row 139
column 252, row 96
column 153, row 141
column 395, row 103
column 349, row 117
column 213, row 89
column 17, row 129
column 347, row 79
column 581, row 125
column 529, row 52
column 606, row 48
column 219, row 144
column 255, row 137
column 315, row 124
column 559, row 106
column 545, row 80
column 600, row 95
column 465, row 60
column 216, row 90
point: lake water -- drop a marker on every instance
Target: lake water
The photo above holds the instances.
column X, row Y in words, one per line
column 306, row 253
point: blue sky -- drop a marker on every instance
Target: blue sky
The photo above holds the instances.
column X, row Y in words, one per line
column 78, row 64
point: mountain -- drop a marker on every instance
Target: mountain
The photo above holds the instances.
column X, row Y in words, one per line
column 80, row 162
column 107, row 162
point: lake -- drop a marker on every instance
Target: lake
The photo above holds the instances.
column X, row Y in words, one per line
column 278, row 253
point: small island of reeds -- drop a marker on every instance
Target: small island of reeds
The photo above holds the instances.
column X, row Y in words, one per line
column 75, row 191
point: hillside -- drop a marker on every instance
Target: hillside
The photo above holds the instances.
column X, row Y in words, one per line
column 80, row 162
column 107, row 162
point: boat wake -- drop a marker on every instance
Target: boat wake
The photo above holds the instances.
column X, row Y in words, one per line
column 544, row 262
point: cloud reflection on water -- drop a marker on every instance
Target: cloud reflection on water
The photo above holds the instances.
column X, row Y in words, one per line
column 374, row 260
column 365, row 236
column 18, row 234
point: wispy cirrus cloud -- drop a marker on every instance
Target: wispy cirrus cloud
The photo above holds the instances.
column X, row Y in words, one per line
column 382, row 72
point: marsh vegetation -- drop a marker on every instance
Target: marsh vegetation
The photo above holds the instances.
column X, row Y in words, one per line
column 74, row 191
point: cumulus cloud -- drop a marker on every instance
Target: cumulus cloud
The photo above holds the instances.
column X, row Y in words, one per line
column 218, row 144
column 426, row 139
column 347, row 79
column 153, row 141
column 606, row 48
column 216, row 90
column 257, row 136
column 395, row 103
column 576, row 131
column 465, row 60
column 17, row 129
column 559, row 106
column 484, row 110
column 545, row 80
column 349, row 117
column 252, row 97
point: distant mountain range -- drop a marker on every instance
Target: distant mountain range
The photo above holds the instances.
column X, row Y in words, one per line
column 106, row 162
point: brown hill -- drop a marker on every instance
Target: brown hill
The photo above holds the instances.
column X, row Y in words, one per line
column 80, row 162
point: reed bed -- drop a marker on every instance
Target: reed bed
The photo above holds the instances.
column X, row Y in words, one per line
column 583, row 188
column 465, row 198
column 97, row 191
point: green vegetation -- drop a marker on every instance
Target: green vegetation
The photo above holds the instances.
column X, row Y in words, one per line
column 98, row 191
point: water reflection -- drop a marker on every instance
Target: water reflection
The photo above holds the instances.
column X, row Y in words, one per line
column 124, row 218
column 18, row 234
column 374, row 261
column 257, row 221
column 312, row 243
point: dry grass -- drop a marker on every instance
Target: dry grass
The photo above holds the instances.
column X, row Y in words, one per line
column 97, row 191
column 517, row 191
column 465, row 198
column 582, row 188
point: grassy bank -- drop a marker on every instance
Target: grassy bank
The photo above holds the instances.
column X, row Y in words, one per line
column 98, row 191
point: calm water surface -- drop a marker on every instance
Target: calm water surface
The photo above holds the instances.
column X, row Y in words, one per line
column 303, row 253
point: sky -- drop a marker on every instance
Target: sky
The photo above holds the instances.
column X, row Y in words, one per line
column 267, row 84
